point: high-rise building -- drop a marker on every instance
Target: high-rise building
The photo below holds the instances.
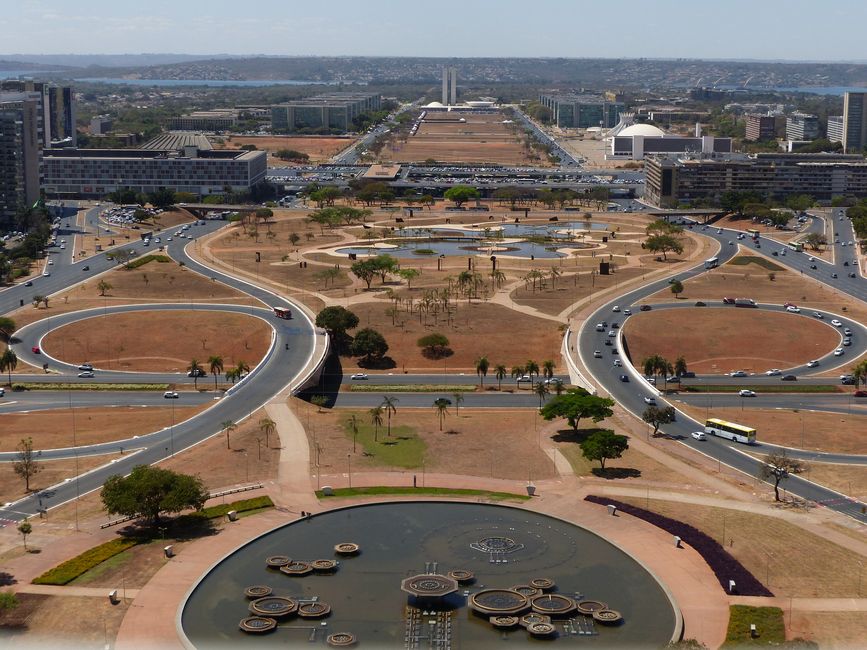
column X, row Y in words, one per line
column 20, row 153
column 854, row 121
column 101, row 124
column 56, row 108
column 760, row 127
column 800, row 126
column 450, row 86
column 835, row 128
column 330, row 112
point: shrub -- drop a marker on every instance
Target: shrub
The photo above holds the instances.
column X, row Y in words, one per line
column 68, row 571
column 724, row 566
column 141, row 261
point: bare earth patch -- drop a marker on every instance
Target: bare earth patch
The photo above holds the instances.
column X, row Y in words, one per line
column 50, row 473
column 319, row 148
column 81, row 621
column 53, row 429
column 717, row 340
column 832, row 630
column 131, row 341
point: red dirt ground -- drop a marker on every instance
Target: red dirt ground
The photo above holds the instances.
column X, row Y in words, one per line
column 716, row 340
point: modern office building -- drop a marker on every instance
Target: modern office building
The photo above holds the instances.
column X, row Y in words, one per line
column 801, row 126
column 640, row 140
column 216, row 120
column 671, row 180
column 760, row 127
column 334, row 112
column 835, row 128
column 450, row 86
column 582, row 111
column 96, row 172
column 100, row 124
column 854, row 121
column 20, row 153
column 56, row 106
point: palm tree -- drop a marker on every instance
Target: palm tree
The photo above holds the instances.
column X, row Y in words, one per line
column 541, row 390
column 267, row 426
column 482, row 365
column 228, row 426
column 859, row 372
column 388, row 403
column 531, row 368
column 242, row 369
column 232, row 374
column 194, row 368
column 517, row 373
column 500, row 372
column 376, row 421
column 442, row 407
column 8, row 362
column 680, row 366
column 459, row 399
column 216, row 365
column 548, row 368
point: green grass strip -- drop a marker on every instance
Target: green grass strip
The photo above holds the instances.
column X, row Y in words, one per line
column 769, row 626
column 256, row 503
column 413, row 388
column 446, row 492
column 762, row 388
column 77, row 386
column 68, row 571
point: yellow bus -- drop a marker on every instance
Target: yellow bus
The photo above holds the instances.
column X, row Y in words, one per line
column 730, row 430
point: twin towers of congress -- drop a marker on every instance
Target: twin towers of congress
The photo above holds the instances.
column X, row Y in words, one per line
column 450, row 86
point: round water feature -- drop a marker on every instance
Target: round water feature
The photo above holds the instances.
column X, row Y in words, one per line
column 371, row 600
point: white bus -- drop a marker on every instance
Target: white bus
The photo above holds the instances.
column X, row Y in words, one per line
column 712, row 263
column 730, row 431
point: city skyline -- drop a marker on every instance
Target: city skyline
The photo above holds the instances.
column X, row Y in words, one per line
column 668, row 29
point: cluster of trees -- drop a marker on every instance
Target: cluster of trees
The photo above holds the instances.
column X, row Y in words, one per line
column 539, row 112
column 367, row 343
column 333, row 217
column 160, row 198
column 656, row 365
column 34, row 221
column 859, row 372
column 858, row 214
column 381, row 265
column 292, row 155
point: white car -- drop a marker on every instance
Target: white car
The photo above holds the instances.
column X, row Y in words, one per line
column 793, row 309
column 597, row 354
column 618, row 363
column 773, row 372
column 746, row 393
column 615, row 308
column 812, row 364
column 838, row 352
column 699, row 435
column 86, row 374
column 836, row 323
column 50, row 262
column 650, row 400
column 612, row 333
column 811, row 259
column 171, row 394
column 817, row 315
column 738, row 373
column 168, row 239
column 359, row 375
column 627, row 312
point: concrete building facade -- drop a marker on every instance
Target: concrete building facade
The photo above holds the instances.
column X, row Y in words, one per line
column 335, row 111
column 671, row 181
column 640, row 140
column 96, row 172
column 835, row 128
column 801, row 126
column 582, row 111
column 450, row 86
column 101, row 124
column 216, row 120
column 20, row 154
column 56, row 108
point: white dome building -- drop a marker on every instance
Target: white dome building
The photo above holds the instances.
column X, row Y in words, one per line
column 630, row 141
column 645, row 130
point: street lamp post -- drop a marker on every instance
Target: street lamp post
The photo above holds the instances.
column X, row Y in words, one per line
column 349, row 464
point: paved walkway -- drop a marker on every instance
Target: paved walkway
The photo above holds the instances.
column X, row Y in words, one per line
column 90, row 592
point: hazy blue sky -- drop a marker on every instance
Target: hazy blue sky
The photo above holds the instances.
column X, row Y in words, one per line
column 731, row 29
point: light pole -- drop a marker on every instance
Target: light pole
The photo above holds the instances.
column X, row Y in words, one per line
column 172, row 430
column 349, row 464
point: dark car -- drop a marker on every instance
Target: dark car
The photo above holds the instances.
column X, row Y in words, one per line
column 813, row 266
column 608, row 342
column 689, row 374
column 645, row 308
column 789, row 378
column 728, row 301
column 860, row 393
column 624, row 377
column 847, row 380
column 29, row 283
column 85, row 268
column 700, row 304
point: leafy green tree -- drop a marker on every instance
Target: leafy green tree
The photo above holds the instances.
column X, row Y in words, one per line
column 777, row 467
column 7, row 327
column 657, row 416
column 370, row 344
column 815, row 240
column 149, row 491
column 336, row 321
column 602, row 445
column 482, row 365
column 364, row 270
column 442, row 408
column 662, row 227
column 8, row 600
column 25, row 464
column 663, row 244
column 576, row 404
column 389, row 404
column 161, row 198
column 500, row 373
column 25, row 528
column 409, row 275
column 434, row 346
column 103, row 286
column 215, row 364
column 676, row 288
column 460, row 194
column 8, row 362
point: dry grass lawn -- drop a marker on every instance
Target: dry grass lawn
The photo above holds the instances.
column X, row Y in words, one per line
column 850, row 480
column 319, row 148
column 50, row 473
column 132, row 342
column 789, row 560
column 831, row 630
column 713, row 340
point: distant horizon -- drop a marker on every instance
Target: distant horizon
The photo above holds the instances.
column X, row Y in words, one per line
column 733, row 30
